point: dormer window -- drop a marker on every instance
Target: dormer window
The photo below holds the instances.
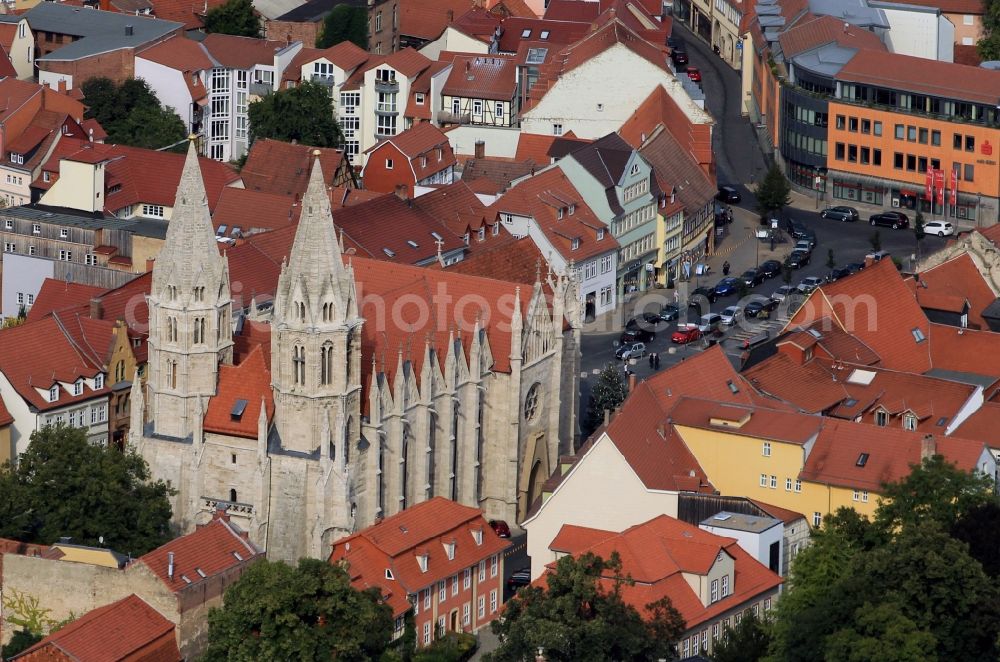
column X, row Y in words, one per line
column 422, row 560
column 53, row 394
column 449, row 549
column 560, row 212
column 881, row 417
column 909, row 422
column 16, row 158
column 419, row 98
column 482, row 233
column 576, row 244
column 600, row 234
column 477, row 535
column 572, row 209
column 496, row 229
column 78, row 387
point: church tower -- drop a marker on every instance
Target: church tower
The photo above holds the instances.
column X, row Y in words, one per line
column 316, row 337
column 190, row 312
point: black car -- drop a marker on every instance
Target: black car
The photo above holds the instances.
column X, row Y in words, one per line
column 770, row 269
column 699, row 292
column 855, row 267
column 843, row 214
column 669, row 312
column 890, row 219
column 519, row 579
column 797, row 259
column 752, row 277
column 758, row 306
column 728, row 194
column 797, row 230
column 636, row 335
column 838, row 273
column 679, row 56
column 651, row 318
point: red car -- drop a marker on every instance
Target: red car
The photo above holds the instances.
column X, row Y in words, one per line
column 694, row 74
column 686, row 334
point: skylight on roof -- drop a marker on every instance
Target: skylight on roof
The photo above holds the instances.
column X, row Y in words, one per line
column 544, row 34
column 237, row 411
column 862, row 377
column 862, row 459
column 389, row 252
column 722, row 517
column 815, row 334
column 536, row 55
column 733, row 387
column 850, row 402
column 918, row 335
column 525, row 33
column 436, row 236
column 941, row 421
column 412, row 244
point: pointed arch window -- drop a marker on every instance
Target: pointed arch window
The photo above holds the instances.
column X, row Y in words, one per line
column 199, row 294
column 380, row 476
column 300, row 310
column 480, row 444
column 299, row 364
column 347, row 439
column 431, row 443
column 199, row 330
column 349, row 355
column 171, row 370
column 404, row 466
column 327, row 312
column 326, row 364
column 452, row 480
column 172, row 329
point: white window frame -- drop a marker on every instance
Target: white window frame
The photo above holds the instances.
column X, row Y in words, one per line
column 481, row 607
column 766, row 449
column 482, row 571
column 427, row 598
column 714, row 592
column 493, row 601
column 494, row 564
column 466, row 578
column 774, row 482
column 53, row 393
column 725, row 586
column 557, row 129
column 798, row 484
column 427, row 633
column 788, row 484
column 442, row 591
column 467, row 614
column 763, row 480
column 454, row 585
column 817, row 518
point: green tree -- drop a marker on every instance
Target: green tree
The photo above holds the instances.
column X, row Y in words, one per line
column 979, row 528
column 876, row 241
column 747, row 642
column 303, row 113
column 344, row 23
column 309, row 612
column 773, row 192
column 235, row 17
column 608, row 393
column 67, row 486
column 131, row 114
column 21, row 640
column 830, row 262
column 881, row 633
column 573, row 618
column 989, row 46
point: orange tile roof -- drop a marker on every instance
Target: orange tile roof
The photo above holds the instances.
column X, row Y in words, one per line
column 878, row 308
column 250, row 381
column 212, row 548
column 235, row 52
column 504, row 257
column 923, row 76
column 59, row 295
column 816, row 31
column 348, row 197
column 246, row 209
column 456, row 207
column 58, row 348
column 560, row 32
column 657, row 554
column 346, row 55
column 982, row 425
column 892, row 452
column 785, row 515
column 7, row 33
column 180, row 53
column 478, row 23
column 188, row 12
column 539, row 147
column 128, row 629
column 394, row 544
column 427, row 19
column 707, row 375
column 572, row 10
column 957, row 280
column 968, row 350
column 15, row 94
column 547, row 197
column 5, row 417
column 94, row 129
column 761, row 422
column 282, row 168
column 482, row 77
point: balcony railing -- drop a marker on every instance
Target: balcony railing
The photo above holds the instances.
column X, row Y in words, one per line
column 389, row 86
column 448, row 117
column 261, row 89
column 322, row 79
column 386, row 109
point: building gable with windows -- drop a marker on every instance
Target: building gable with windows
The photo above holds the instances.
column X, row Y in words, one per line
column 419, row 156
column 481, row 90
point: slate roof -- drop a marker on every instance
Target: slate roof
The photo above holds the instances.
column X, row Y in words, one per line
column 97, row 31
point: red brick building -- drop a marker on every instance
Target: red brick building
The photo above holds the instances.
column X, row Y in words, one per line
column 438, row 558
column 419, row 156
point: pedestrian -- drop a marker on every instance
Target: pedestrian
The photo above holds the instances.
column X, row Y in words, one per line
column 725, row 268
column 652, row 359
column 656, row 363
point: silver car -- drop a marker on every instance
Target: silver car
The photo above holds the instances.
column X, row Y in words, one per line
column 731, row 315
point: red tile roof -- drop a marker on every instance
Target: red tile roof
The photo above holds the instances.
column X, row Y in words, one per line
column 504, row 257
column 817, row 31
column 59, row 348
column 456, row 207
column 478, row 23
column 956, row 281
column 892, row 452
column 180, row 53
column 128, row 629
column 708, row 375
column 212, row 548
column 968, row 350
column 94, row 129
column 923, row 76
column 560, row 32
column 877, row 308
column 345, row 55
column 777, row 512
column 657, row 554
column 539, row 147
column 420, row 144
column 185, row 11
column 15, row 94
column 427, row 19
column 572, row 10
column 982, row 425
column 5, row 417
column 60, row 295
column 482, row 77
column 247, row 209
column 250, row 381
column 559, row 211
column 235, row 52
column 7, row 33
column 785, row 426
column 274, row 166
column 395, row 543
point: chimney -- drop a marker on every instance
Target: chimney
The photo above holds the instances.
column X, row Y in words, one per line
column 401, row 192
column 451, row 15
column 869, row 261
column 170, row 565
column 96, row 308
column 928, row 447
column 61, row 85
column 607, row 417
column 480, row 149
column 128, row 31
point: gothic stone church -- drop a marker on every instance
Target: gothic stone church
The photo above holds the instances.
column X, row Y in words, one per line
column 369, row 386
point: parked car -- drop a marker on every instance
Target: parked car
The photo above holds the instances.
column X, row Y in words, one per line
column 500, row 528
column 702, row 292
column 758, row 306
column 634, row 350
column 728, row 194
column 694, row 74
column 797, row 230
column 838, row 273
column 797, row 259
column 730, row 315
column 855, row 267
column 752, row 277
column 636, row 335
column 782, row 293
column 803, row 245
column 669, row 312
column 940, row 228
column 890, row 219
column 651, row 319
column 679, row 56
column 726, row 287
column 685, row 334
column 809, row 283
column 771, row 268
column 709, row 322
column 843, row 214
column 519, row 579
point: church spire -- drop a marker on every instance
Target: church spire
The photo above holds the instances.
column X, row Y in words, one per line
column 316, row 251
column 190, row 246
